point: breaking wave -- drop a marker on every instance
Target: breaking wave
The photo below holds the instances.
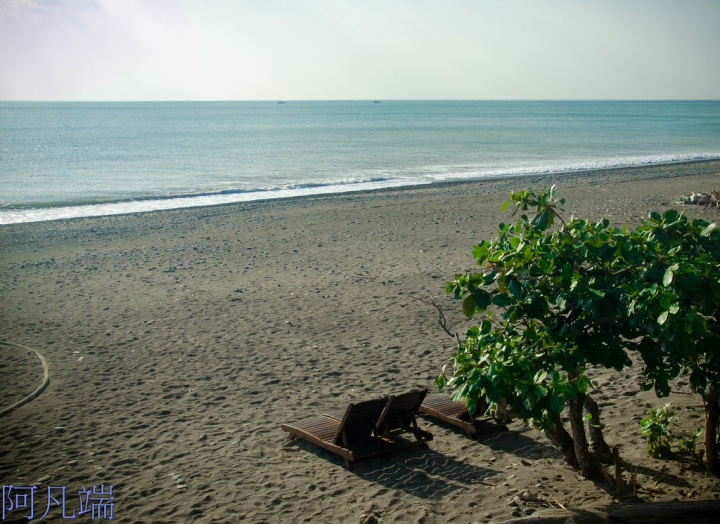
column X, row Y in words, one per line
column 11, row 214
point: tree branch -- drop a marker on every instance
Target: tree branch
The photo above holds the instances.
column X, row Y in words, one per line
column 442, row 320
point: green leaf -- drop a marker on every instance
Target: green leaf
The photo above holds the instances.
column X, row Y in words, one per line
column 665, row 302
column 485, row 327
column 668, row 276
column 596, row 294
column 501, row 300
column 663, row 317
column 482, row 299
column 515, row 288
column 504, row 205
column 539, row 391
column 557, row 402
column 705, row 232
column 543, row 220
column 567, row 271
column 480, row 252
column 468, row 306
column 457, row 395
column 582, row 383
column 441, row 381
column 503, row 284
column 472, row 404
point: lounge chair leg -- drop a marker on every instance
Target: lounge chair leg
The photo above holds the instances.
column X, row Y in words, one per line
column 348, row 465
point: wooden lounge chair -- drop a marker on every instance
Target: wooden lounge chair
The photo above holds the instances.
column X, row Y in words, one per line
column 347, row 435
column 400, row 416
column 456, row 413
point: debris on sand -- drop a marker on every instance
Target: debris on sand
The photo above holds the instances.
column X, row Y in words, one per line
column 711, row 199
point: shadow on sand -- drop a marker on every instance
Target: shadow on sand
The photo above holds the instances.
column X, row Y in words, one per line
column 425, row 473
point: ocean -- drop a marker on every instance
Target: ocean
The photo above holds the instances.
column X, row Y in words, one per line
column 66, row 159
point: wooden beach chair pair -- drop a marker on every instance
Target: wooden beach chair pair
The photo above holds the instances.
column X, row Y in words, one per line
column 456, row 413
column 366, row 429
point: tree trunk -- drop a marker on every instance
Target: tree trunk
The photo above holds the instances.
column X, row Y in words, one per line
column 712, row 413
column 598, row 446
column 585, row 459
column 502, row 414
column 618, row 471
column 562, row 440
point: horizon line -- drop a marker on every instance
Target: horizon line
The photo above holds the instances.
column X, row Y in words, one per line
column 276, row 100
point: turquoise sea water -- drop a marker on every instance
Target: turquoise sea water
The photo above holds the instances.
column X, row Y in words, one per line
column 60, row 160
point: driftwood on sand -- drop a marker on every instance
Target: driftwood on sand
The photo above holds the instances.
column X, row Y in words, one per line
column 695, row 512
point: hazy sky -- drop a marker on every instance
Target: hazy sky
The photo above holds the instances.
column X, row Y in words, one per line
column 363, row 49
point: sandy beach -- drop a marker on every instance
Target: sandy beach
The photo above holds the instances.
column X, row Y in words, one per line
column 179, row 341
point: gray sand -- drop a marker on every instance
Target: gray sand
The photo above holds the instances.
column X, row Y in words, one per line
column 179, row 341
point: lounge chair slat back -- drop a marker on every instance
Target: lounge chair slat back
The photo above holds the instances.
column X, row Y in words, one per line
column 402, row 409
column 359, row 421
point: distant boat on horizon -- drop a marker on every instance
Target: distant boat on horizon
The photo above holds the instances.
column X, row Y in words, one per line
column 376, row 102
column 281, row 102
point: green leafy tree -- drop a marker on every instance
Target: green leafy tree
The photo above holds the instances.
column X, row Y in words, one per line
column 674, row 301
column 578, row 293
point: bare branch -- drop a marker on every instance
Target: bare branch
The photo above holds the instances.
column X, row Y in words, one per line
column 442, row 320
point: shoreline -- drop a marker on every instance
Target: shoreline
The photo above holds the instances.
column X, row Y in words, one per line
column 567, row 178
column 179, row 341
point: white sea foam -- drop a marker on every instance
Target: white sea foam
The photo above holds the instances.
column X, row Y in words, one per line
column 211, row 199
column 569, row 167
column 428, row 175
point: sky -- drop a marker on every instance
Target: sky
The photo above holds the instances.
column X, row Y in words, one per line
column 358, row 49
